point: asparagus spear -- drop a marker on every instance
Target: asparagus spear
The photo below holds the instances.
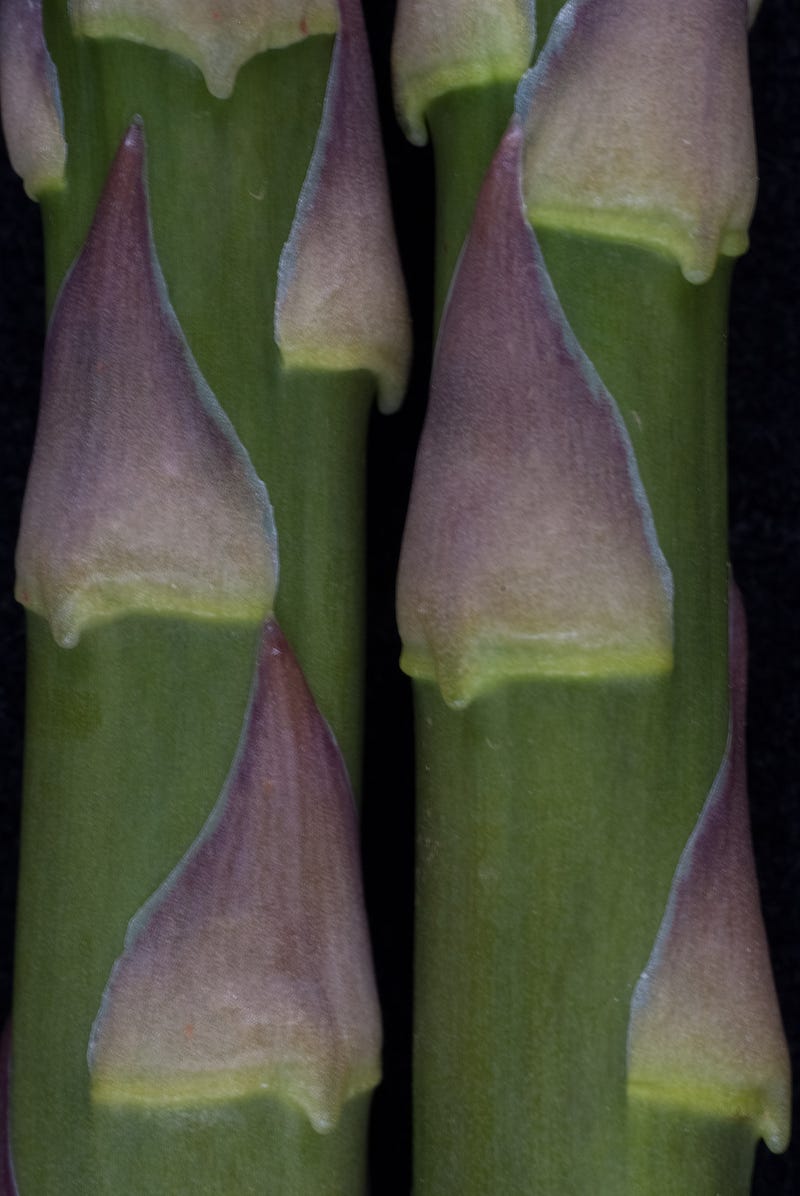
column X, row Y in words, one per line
column 135, row 549
column 556, row 790
column 236, row 1035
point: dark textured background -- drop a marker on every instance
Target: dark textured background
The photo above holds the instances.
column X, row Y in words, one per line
column 765, row 510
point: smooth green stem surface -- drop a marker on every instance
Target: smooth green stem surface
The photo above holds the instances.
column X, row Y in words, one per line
column 128, row 747
column 552, row 814
column 317, row 472
column 709, row 1155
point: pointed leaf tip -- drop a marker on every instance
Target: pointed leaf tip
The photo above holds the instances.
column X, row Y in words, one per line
column 218, row 38
column 250, row 967
column 442, row 47
column 341, row 302
column 30, row 99
column 639, row 127
column 140, row 497
column 705, row 1028
column 529, row 547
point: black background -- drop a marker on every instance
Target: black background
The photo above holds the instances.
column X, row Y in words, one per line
column 764, row 510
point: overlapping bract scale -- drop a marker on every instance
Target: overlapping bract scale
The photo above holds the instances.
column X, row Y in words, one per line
column 140, row 497
column 219, row 36
column 30, row 99
column 455, row 44
column 705, row 1028
column 639, row 127
column 250, row 969
column 341, row 302
column 529, row 546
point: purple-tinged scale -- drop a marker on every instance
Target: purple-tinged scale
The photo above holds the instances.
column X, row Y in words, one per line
column 249, row 969
column 218, row 36
column 705, row 1030
column 452, row 44
column 140, row 498
column 30, row 100
column 529, row 547
column 639, row 127
column 341, row 302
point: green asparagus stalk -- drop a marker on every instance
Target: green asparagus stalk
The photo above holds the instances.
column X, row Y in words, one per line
column 237, row 268
column 236, row 1036
column 561, row 600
